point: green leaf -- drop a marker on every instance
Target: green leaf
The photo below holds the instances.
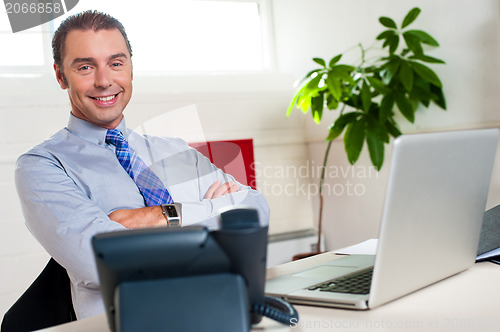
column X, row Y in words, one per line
column 312, row 85
column 422, row 91
column 410, row 17
column 378, row 85
column 386, row 106
column 334, row 60
column 343, row 72
column 340, row 123
column 422, row 95
column 426, row 58
column 386, row 34
column 391, row 68
column 394, row 44
column 426, row 73
column 344, row 68
column 366, row 96
column 376, row 150
column 414, row 102
column 355, row 102
column 317, row 104
column 376, row 128
column 292, row 104
column 406, row 75
column 309, row 75
column 423, row 37
column 333, row 85
column 304, row 103
column 295, row 100
column 309, row 91
column 413, row 43
column 331, row 102
column 392, row 128
column 440, row 100
column 353, row 140
column 387, row 22
column 320, row 62
column 405, row 107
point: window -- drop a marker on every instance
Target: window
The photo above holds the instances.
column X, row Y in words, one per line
column 20, row 49
column 181, row 36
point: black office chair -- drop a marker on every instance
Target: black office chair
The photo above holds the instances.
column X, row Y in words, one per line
column 47, row 302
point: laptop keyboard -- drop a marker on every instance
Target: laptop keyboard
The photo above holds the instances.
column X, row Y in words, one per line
column 356, row 283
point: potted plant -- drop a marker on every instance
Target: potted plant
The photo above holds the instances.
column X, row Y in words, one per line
column 371, row 93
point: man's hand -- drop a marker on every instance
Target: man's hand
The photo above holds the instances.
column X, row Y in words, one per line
column 217, row 189
column 151, row 216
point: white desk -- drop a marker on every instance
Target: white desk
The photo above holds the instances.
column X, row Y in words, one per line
column 469, row 301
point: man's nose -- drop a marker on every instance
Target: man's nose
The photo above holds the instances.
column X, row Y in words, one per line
column 103, row 78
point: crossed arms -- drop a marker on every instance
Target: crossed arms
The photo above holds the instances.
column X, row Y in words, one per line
column 152, row 216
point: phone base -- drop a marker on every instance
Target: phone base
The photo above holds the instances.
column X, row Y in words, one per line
column 210, row 302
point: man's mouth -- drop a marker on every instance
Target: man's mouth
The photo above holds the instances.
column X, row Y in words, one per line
column 106, row 98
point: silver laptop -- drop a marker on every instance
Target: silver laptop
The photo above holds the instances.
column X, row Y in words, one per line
column 436, row 196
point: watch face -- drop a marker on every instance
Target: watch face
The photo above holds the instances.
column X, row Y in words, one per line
column 171, row 211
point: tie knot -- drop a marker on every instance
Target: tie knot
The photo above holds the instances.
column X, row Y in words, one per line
column 114, row 136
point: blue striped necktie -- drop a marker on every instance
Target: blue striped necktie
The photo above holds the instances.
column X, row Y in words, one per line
column 151, row 187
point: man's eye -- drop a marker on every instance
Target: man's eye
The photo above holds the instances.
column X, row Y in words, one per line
column 84, row 68
column 116, row 64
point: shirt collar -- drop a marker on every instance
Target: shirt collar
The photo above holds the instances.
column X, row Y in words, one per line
column 91, row 132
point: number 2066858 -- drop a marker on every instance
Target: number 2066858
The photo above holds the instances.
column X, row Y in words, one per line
column 33, row 8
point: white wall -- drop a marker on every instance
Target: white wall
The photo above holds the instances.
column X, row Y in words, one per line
column 253, row 106
column 468, row 33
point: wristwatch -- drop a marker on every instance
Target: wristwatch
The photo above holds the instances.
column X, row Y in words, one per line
column 172, row 213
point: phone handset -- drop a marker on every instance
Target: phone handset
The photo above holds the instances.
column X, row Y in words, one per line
column 244, row 240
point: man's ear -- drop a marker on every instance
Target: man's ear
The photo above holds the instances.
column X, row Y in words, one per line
column 59, row 77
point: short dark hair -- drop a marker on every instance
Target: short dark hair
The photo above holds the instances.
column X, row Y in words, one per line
column 87, row 20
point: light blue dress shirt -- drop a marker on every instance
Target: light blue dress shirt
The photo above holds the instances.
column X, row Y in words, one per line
column 69, row 184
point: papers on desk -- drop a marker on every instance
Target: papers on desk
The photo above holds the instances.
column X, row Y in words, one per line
column 489, row 241
column 368, row 247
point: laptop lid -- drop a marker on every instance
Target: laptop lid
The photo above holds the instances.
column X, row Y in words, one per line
column 435, row 200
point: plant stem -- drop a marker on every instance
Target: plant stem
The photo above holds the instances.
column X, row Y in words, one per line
column 321, row 181
column 362, row 54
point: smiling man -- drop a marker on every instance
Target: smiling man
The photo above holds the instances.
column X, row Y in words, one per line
column 97, row 176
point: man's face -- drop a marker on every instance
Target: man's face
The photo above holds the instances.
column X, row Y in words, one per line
column 98, row 75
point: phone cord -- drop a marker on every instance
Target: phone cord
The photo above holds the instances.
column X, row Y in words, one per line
column 277, row 309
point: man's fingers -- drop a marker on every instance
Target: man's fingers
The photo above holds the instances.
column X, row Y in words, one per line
column 226, row 188
column 233, row 187
column 221, row 191
column 212, row 189
column 217, row 190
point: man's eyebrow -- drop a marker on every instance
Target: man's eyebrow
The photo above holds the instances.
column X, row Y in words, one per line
column 92, row 60
column 118, row 55
column 81, row 60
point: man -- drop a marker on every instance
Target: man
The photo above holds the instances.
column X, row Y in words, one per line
column 75, row 185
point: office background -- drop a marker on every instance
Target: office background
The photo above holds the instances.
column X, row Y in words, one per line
column 253, row 105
